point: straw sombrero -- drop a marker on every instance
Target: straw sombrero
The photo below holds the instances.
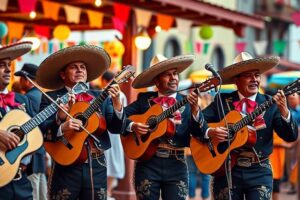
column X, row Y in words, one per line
column 96, row 59
column 15, row 50
column 160, row 64
column 245, row 62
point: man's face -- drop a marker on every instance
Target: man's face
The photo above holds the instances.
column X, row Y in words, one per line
column 293, row 100
column 167, row 81
column 248, row 82
column 74, row 73
column 4, row 72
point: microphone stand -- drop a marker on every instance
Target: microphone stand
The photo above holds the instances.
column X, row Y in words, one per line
column 227, row 163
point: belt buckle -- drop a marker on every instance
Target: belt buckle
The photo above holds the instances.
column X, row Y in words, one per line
column 18, row 175
column 162, row 154
column 244, row 162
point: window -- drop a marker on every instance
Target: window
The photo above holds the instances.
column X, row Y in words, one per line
column 218, row 59
column 172, row 48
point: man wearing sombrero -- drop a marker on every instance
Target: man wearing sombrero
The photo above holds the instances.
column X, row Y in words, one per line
column 60, row 72
column 252, row 174
column 166, row 172
column 20, row 187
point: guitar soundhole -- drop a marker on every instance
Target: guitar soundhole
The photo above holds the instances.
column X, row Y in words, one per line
column 18, row 132
column 83, row 119
column 223, row 146
column 152, row 122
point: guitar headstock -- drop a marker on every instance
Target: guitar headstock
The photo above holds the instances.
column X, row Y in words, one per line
column 292, row 88
column 80, row 87
column 125, row 74
column 208, row 84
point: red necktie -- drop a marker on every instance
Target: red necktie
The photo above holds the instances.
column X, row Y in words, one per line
column 250, row 107
column 168, row 102
column 8, row 100
column 84, row 97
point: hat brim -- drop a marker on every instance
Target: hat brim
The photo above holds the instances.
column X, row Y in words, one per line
column 262, row 64
column 96, row 59
column 146, row 78
column 15, row 50
column 20, row 73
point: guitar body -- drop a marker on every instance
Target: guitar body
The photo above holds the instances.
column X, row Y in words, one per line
column 147, row 144
column 209, row 161
column 10, row 159
column 64, row 155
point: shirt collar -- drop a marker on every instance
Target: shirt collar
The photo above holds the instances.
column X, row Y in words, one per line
column 253, row 97
column 5, row 91
column 171, row 95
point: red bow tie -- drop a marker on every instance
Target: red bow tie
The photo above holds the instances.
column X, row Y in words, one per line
column 259, row 121
column 250, row 105
column 8, row 100
column 84, row 97
column 167, row 102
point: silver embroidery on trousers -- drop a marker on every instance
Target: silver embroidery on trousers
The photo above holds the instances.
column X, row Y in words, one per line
column 143, row 189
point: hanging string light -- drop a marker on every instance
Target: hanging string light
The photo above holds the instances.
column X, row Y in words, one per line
column 32, row 14
column 98, row 3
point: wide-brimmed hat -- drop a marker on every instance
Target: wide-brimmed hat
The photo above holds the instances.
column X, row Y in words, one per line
column 96, row 59
column 160, row 64
column 245, row 62
column 15, row 50
column 29, row 69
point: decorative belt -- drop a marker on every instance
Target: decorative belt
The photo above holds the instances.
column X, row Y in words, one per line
column 168, row 146
column 246, row 159
column 168, row 153
column 96, row 153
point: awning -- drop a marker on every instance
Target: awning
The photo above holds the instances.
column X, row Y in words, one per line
column 198, row 12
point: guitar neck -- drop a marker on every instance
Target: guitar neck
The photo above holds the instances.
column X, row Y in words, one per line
column 167, row 113
column 97, row 102
column 251, row 116
column 43, row 115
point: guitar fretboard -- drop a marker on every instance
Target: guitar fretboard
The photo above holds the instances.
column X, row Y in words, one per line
column 251, row 116
column 97, row 102
column 42, row 116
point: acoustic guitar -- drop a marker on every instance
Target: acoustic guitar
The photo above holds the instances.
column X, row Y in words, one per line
column 210, row 156
column 143, row 147
column 69, row 149
column 31, row 138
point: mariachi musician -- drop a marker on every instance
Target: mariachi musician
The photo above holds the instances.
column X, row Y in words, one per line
column 165, row 172
column 60, row 72
column 252, row 174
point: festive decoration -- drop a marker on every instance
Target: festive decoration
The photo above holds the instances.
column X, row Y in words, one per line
column 118, row 24
column 296, row 18
column 95, row 18
column 15, row 30
column 240, row 47
column 42, row 30
column 279, row 46
column 122, row 12
column 3, row 29
column 142, row 40
column 143, row 17
column 114, row 48
column 198, row 47
column 51, row 10
column 61, row 32
column 3, row 5
column 73, row 14
column 206, row 32
column 26, row 6
column 206, row 48
column 184, row 26
column 260, row 47
column 165, row 21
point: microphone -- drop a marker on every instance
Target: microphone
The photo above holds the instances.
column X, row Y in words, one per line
column 210, row 68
